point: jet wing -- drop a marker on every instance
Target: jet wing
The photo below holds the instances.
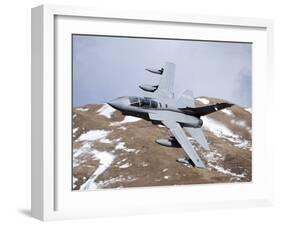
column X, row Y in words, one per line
column 165, row 89
column 166, row 84
column 181, row 137
column 198, row 135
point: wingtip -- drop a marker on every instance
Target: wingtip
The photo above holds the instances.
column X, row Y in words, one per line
column 200, row 165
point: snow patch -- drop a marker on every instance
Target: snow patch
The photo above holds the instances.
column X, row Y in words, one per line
column 124, row 166
column 249, row 110
column 93, row 135
column 105, row 141
column 249, row 130
column 203, row 100
column 82, row 109
column 83, row 149
column 227, row 112
column 127, row 119
column 242, row 124
column 166, row 177
column 213, row 156
column 74, row 179
column 217, row 128
column 75, row 130
column 244, row 145
column 239, row 123
column 106, row 111
column 220, row 130
column 123, row 160
column 164, row 170
column 122, row 128
column 144, row 164
column 105, row 160
column 121, row 178
column 130, row 119
column 122, row 146
column 226, row 171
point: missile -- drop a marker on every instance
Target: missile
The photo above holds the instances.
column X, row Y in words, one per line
column 148, row 88
column 155, row 71
column 185, row 161
column 169, row 143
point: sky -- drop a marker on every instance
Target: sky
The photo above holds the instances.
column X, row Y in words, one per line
column 105, row 68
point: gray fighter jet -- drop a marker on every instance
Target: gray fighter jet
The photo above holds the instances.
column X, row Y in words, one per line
column 180, row 115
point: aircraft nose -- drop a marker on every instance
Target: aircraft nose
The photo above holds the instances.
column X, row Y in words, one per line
column 113, row 103
column 117, row 103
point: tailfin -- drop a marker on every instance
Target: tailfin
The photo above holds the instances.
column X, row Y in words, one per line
column 186, row 99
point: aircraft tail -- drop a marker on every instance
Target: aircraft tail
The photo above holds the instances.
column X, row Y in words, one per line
column 201, row 111
column 186, row 99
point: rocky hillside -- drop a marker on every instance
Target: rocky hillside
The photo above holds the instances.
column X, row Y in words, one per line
column 113, row 151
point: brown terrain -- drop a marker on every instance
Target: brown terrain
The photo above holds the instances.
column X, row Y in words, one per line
column 114, row 151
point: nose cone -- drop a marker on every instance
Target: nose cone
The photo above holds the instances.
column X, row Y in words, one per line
column 119, row 103
column 114, row 103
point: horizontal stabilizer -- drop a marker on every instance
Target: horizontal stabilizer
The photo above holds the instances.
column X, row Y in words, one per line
column 201, row 111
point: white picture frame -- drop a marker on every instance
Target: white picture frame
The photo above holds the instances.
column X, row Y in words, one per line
column 51, row 197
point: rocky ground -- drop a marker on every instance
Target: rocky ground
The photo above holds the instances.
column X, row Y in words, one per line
column 113, row 151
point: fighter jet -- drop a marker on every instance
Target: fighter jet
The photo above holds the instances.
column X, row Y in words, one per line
column 180, row 116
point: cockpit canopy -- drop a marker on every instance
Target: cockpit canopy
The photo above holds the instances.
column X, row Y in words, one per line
column 143, row 102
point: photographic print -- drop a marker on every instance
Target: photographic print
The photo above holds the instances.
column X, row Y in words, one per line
column 160, row 112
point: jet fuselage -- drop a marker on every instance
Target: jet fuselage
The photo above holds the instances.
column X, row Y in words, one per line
column 144, row 107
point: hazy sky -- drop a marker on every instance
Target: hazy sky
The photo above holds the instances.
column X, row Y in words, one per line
column 108, row 67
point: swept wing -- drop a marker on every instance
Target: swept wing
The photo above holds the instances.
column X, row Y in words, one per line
column 198, row 135
column 181, row 137
column 165, row 89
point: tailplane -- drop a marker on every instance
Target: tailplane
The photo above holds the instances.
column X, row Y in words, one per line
column 201, row 111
